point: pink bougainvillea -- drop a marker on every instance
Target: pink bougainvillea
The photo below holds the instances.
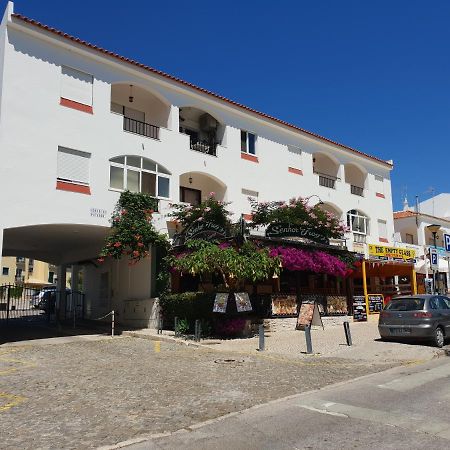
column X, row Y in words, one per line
column 314, row 261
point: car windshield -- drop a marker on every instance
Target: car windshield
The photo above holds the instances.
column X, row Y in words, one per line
column 406, row 304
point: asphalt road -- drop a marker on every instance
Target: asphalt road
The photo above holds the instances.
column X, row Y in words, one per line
column 402, row 408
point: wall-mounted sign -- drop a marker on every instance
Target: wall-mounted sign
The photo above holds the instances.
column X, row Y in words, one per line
column 220, row 302
column 200, row 230
column 242, row 302
column 284, row 305
column 98, row 212
column 336, row 305
column 391, row 253
column 280, row 230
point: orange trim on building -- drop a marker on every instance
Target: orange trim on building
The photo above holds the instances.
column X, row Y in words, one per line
column 383, row 240
column 75, row 105
column 249, row 157
column 379, row 194
column 296, row 171
column 72, row 187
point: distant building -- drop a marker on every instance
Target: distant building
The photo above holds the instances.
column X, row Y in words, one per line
column 26, row 271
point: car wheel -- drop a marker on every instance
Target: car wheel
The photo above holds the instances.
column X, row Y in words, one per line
column 438, row 337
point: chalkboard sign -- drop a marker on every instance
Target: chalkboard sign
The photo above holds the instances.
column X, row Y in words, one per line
column 375, row 303
column 359, row 309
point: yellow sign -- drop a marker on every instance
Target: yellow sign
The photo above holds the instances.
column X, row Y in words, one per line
column 398, row 253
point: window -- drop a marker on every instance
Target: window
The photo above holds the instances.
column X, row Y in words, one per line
column 19, row 272
column 357, row 222
column 138, row 174
column 5, row 271
column 379, row 184
column 295, row 151
column 20, row 259
column 248, row 142
column 409, row 238
column 73, row 166
column 51, row 277
column 189, row 195
column 382, row 228
column 76, row 85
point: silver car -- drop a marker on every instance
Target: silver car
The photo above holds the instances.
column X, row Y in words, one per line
column 418, row 317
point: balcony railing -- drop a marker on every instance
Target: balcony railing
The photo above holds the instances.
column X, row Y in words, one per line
column 141, row 128
column 356, row 190
column 325, row 180
column 359, row 238
column 206, row 147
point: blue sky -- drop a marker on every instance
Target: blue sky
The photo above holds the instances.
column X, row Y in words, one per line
column 372, row 75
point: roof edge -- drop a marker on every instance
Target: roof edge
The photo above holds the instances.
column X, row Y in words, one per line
column 197, row 88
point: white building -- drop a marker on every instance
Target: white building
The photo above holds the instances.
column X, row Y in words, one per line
column 411, row 230
column 78, row 124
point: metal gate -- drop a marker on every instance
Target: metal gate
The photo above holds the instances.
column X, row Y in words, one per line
column 25, row 305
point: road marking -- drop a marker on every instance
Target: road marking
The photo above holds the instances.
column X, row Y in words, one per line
column 407, row 382
column 11, row 401
column 21, row 364
column 407, row 421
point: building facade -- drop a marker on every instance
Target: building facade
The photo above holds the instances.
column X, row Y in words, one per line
column 81, row 124
column 26, row 271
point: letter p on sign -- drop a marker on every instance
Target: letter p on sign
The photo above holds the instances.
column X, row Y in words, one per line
column 447, row 242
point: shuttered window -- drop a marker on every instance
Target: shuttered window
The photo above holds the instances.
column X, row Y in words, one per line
column 73, row 165
column 76, row 85
column 382, row 228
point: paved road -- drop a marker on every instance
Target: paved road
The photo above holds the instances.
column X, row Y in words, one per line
column 87, row 391
column 403, row 408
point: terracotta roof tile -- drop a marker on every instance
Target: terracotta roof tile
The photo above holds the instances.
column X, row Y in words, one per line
column 402, row 214
column 193, row 86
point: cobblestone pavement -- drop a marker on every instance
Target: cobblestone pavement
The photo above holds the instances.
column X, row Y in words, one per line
column 93, row 393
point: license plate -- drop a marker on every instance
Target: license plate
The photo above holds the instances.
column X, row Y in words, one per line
column 400, row 331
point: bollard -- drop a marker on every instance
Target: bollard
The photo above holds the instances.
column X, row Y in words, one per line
column 112, row 323
column 348, row 335
column 176, row 326
column 261, row 338
column 160, row 324
column 198, row 330
column 308, row 339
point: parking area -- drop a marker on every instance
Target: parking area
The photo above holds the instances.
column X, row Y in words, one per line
column 86, row 393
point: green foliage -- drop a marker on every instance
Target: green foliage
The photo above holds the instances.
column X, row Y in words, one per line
column 187, row 305
column 245, row 263
column 297, row 212
column 182, row 326
column 210, row 210
column 132, row 229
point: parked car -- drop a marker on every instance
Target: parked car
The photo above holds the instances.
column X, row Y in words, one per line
column 416, row 317
column 36, row 298
column 48, row 301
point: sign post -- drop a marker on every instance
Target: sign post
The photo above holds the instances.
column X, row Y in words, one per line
column 434, row 264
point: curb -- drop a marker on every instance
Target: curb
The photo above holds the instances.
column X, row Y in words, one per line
column 160, row 337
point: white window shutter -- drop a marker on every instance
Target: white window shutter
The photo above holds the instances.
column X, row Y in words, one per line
column 73, row 165
column 76, row 85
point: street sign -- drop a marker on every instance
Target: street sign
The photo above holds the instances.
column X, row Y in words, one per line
column 447, row 242
column 434, row 258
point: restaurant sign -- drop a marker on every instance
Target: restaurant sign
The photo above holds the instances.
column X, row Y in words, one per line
column 200, row 230
column 382, row 252
column 281, row 230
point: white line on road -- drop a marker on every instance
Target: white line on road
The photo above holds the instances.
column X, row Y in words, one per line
column 415, row 380
column 406, row 421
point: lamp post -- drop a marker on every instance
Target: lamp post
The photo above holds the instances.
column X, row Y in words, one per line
column 434, row 229
column 320, row 202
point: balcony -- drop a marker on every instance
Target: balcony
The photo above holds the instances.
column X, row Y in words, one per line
column 328, row 181
column 359, row 238
column 141, row 128
column 356, row 190
column 203, row 146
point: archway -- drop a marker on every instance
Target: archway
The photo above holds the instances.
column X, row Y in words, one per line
column 196, row 186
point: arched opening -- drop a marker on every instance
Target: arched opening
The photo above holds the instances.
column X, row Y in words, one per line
column 356, row 178
column 197, row 186
column 332, row 209
column 205, row 131
column 139, row 174
column 143, row 112
column 358, row 224
column 327, row 169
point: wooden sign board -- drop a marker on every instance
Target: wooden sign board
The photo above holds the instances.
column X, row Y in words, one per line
column 220, row 302
column 308, row 315
column 359, row 309
column 284, row 305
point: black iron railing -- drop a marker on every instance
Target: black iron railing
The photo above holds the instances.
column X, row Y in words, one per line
column 206, row 147
column 356, row 190
column 141, row 128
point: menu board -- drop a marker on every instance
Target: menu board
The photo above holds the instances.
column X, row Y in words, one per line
column 359, row 309
column 308, row 315
column 220, row 302
column 242, row 302
column 284, row 305
column 376, row 302
column 337, row 304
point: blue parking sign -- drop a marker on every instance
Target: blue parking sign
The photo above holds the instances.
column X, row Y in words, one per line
column 447, row 242
column 434, row 258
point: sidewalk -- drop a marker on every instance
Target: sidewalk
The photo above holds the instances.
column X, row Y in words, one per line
column 327, row 342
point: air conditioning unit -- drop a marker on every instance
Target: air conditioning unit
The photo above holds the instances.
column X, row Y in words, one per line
column 207, row 122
